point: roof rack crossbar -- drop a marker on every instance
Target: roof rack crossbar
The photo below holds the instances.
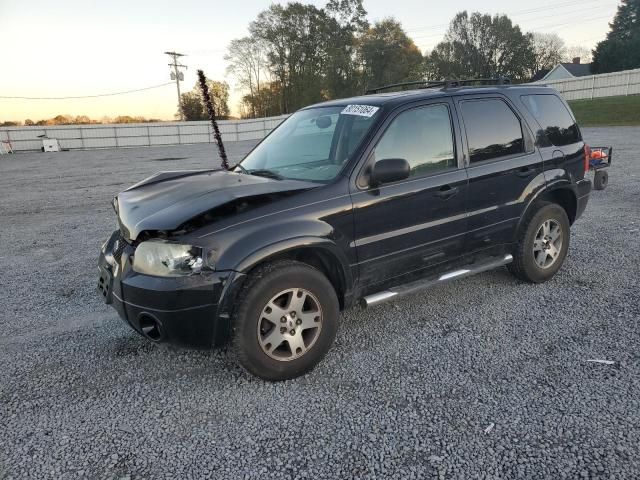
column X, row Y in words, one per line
column 450, row 83
column 483, row 81
column 421, row 83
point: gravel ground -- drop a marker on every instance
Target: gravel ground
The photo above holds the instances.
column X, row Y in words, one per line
column 483, row 378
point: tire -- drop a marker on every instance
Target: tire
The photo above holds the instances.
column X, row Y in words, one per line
column 536, row 256
column 600, row 180
column 310, row 304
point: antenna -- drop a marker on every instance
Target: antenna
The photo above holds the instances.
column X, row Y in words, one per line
column 212, row 115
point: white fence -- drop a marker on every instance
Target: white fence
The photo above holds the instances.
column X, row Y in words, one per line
column 174, row 133
column 136, row 134
column 604, row 85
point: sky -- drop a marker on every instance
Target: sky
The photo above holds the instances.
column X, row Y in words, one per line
column 89, row 47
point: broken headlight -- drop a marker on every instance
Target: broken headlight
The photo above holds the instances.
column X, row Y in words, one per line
column 164, row 259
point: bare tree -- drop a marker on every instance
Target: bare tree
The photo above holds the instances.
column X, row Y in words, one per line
column 247, row 62
column 549, row 50
column 578, row 51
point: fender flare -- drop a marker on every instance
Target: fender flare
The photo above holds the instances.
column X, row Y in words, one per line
column 551, row 187
column 239, row 273
column 296, row 243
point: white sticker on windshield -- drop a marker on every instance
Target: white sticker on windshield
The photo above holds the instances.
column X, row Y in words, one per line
column 361, row 110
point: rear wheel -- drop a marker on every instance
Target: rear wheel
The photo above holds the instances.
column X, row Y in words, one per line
column 542, row 244
column 286, row 320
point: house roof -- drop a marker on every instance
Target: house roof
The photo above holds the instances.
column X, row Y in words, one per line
column 578, row 69
column 540, row 74
column 573, row 69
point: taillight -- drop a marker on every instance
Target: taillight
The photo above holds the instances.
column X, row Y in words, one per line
column 587, row 157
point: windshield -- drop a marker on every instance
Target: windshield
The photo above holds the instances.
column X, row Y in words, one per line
column 311, row 144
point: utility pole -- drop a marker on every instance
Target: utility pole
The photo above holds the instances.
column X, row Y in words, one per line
column 177, row 75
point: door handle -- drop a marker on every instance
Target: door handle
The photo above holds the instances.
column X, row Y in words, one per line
column 525, row 172
column 447, row 191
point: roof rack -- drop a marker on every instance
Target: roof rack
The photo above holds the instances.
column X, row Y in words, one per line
column 453, row 83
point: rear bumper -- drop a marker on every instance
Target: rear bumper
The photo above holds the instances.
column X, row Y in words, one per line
column 186, row 309
column 583, row 189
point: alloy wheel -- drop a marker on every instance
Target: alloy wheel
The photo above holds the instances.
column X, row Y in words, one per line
column 547, row 244
column 289, row 324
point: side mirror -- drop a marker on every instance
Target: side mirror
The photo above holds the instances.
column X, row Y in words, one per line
column 389, row 170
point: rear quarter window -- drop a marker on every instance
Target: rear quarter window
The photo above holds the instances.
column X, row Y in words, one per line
column 556, row 122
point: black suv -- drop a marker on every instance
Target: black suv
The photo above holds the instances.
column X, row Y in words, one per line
column 356, row 200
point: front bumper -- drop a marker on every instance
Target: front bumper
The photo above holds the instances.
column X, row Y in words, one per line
column 185, row 308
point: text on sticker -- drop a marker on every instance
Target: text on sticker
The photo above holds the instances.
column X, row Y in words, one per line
column 361, row 110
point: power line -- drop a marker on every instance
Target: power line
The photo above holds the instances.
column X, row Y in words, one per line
column 540, row 28
column 532, row 29
column 607, row 36
column 87, row 96
column 544, row 8
column 553, row 6
column 178, row 74
column 592, row 9
column 548, row 28
column 581, row 21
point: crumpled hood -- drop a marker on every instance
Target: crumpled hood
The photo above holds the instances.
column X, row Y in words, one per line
column 165, row 201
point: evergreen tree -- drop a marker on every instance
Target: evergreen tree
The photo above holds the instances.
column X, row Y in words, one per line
column 621, row 49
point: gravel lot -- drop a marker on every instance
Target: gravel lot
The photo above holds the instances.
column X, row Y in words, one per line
column 483, row 378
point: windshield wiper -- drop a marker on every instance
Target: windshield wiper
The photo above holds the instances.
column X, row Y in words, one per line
column 263, row 172
column 242, row 169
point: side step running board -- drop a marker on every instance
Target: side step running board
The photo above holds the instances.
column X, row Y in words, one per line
column 409, row 288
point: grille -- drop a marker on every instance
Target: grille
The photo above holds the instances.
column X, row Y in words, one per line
column 118, row 247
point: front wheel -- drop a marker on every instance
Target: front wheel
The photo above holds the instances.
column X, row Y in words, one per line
column 542, row 244
column 286, row 320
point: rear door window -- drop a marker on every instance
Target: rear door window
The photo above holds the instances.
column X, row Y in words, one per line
column 555, row 120
column 493, row 130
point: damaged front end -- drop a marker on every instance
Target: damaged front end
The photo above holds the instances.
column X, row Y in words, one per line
column 163, row 290
column 171, row 200
column 162, row 285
